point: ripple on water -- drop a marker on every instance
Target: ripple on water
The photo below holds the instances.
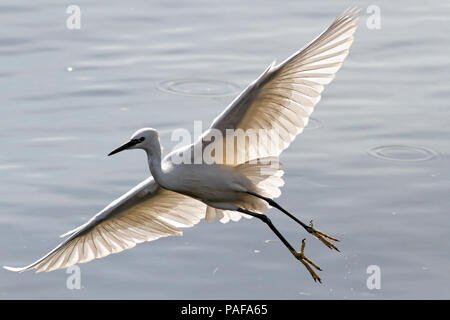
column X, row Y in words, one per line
column 402, row 153
column 199, row 87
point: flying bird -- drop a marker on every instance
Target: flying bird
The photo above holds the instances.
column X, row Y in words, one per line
column 242, row 181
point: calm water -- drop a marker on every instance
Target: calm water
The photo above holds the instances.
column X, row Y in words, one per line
column 373, row 167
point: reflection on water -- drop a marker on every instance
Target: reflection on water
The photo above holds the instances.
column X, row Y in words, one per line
column 70, row 96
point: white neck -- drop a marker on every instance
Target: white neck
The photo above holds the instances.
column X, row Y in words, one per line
column 154, row 162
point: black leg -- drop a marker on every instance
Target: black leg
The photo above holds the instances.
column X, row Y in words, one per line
column 318, row 234
column 298, row 255
column 267, row 221
column 276, row 205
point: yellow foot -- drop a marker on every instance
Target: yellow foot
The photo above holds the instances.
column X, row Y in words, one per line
column 306, row 262
column 321, row 236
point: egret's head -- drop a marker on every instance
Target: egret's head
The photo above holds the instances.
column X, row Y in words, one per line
column 146, row 139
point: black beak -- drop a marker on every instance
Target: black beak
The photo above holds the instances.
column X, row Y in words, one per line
column 125, row 146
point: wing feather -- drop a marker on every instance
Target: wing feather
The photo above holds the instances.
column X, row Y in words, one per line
column 145, row 213
column 284, row 96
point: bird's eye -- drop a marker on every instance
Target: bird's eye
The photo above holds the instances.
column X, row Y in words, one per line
column 141, row 139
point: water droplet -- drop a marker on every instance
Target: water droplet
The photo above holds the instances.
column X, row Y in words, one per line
column 403, row 153
column 256, row 251
column 199, row 87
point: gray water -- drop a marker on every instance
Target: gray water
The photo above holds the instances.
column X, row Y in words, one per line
column 372, row 168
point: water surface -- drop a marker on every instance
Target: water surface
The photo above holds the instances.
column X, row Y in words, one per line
column 373, row 168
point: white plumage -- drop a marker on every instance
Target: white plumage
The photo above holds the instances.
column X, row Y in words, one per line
column 179, row 195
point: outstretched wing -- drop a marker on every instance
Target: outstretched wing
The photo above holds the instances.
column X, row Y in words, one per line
column 283, row 97
column 145, row 213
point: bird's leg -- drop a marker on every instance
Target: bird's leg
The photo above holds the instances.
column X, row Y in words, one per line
column 321, row 236
column 298, row 255
column 307, row 262
column 318, row 234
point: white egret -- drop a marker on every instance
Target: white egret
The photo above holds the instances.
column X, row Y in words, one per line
column 181, row 194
